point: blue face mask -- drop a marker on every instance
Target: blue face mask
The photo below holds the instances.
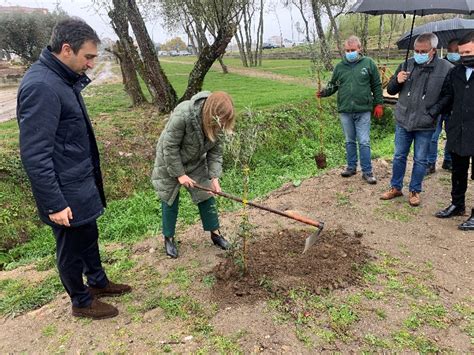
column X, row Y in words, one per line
column 352, row 56
column 453, row 57
column 421, row 58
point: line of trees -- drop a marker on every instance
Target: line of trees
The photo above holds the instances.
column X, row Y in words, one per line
column 210, row 26
column 26, row 34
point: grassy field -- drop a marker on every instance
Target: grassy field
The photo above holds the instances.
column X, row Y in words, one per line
column 300, row 68
column 281, row 120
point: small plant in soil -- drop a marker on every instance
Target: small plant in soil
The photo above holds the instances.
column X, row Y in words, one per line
column 316, row 68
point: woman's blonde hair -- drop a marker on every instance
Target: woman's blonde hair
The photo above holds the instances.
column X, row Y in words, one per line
column 218, row 114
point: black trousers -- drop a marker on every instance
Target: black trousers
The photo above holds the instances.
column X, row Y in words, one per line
column 459, row 179
column 77, row 253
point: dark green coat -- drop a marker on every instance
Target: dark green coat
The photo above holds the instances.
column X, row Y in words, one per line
column 358, row 85
column 184, row 149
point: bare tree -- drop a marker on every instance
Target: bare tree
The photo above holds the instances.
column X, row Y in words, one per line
column 335, row 8
column 187, row 15
column 165, row 94
column 216, row 19
column 129, row 74
column 365, row 33
column 248, row 55
column 379, row 42
column 316, row 6
column 119, row 23
column 209, row 17
column 393, row 26
column 302, row 6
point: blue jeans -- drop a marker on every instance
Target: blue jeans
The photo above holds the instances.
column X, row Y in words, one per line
column 403, row 141
column 433, row 152
column 356, row 127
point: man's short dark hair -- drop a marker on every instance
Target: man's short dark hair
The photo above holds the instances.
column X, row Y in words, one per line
column 453, row 41
column 468, row 38
column 73, row 31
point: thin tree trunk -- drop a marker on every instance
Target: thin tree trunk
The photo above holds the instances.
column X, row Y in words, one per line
column 259, row 49
column 365, row 33
column 207, row 57
column 225, row 70
column 379, row 45
column 243, row 56
column 165, row 93
column 129, row 74
column 392, row 28
column 119, row 23
column 325, row 50
column 334, row 27
column 247, row 18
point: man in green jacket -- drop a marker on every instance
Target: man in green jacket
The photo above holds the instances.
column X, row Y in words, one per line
column 357, row 79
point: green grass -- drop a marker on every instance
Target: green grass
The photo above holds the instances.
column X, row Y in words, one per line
column 286, row 136
column 18, row 296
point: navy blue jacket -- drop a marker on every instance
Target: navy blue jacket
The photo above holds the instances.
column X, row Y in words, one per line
column 57, row 143
column 457, row 98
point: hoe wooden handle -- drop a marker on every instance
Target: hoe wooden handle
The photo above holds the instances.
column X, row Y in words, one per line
column 291, row 215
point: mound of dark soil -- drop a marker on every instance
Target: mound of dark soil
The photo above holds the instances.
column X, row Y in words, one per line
column 276, row 265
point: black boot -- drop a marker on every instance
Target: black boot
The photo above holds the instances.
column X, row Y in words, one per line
column 431, row 169
column 469, row 224
column 348, row 172
column 170, row 247
column 447, row 165
column 220, row 241
column 451, row 211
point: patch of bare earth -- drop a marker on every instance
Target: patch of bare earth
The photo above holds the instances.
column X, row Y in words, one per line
column 276, row 266
column 422, row 264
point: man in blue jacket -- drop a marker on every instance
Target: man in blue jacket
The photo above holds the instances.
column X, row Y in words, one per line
column 60, row 155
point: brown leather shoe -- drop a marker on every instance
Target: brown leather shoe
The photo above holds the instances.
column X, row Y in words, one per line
column 392, row 193
column 96, row 310
column 414, row 198
column 111, row 290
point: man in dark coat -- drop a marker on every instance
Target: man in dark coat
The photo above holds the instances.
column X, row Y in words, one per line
column 60, row 155
column 457, row 98
column 453, row 57
column 418, row 87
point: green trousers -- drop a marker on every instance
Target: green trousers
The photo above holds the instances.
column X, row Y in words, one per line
column 207, row 211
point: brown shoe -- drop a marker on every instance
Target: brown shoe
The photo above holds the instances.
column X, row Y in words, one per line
column 96, row 310
column 414, row 198
column 392, row 193
column 110, row 290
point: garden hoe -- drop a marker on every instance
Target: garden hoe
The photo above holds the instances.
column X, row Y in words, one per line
column 308, row 242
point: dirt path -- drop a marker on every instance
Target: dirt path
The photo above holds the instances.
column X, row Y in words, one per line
column 256, row 73
column 415, row 294
column 7, row 103
column 102, row 74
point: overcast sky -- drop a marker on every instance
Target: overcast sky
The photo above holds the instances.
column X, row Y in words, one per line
column 99, row 21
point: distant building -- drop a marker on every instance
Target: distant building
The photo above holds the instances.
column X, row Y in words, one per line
column 276, row 40
column 22, row 10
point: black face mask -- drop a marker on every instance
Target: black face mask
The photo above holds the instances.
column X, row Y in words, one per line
column 467, row 60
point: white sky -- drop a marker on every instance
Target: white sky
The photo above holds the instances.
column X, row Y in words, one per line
column 85, row 10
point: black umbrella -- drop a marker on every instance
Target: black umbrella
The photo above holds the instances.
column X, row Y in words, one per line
column 413, row 7
column 446, row 31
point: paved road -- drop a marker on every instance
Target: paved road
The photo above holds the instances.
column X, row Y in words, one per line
column 103, row 74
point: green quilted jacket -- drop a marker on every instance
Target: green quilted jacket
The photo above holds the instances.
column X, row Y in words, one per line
column 184, row 149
